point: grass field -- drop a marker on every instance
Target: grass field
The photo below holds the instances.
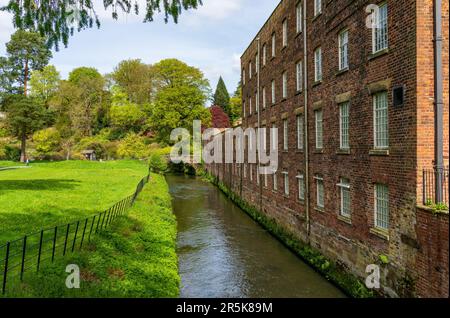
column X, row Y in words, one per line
column 55, row 193
column 134, row 258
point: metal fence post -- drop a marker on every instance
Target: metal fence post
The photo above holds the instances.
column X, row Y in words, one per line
column 424, row 184
column 75, row 237
column 98, row 222
column 54, row 243
column 65, row 241
column 103, row 221
column 5, row 270
column 92, row 226
column 84, row 232
column 24, row 249
column 40, row 251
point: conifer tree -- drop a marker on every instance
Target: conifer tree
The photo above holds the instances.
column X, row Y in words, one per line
column 222, row 97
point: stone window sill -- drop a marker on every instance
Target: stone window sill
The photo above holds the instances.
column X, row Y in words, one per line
column 299, row 92
column 319, row 209
column 301, row 151
column 317, row 83
column 316, row 16
column 379, row 152
column 318, row 151
column 345, row 219
column 381, row 233
column 343, row 152
column 378, row 54
column 343, row 71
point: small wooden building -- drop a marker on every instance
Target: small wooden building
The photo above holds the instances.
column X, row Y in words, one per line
column 89, row 155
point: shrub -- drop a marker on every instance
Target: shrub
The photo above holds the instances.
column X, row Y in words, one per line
column 96, row 143
column 47, row 141
column 132, row 147
column 9, row 152
column 157, row 163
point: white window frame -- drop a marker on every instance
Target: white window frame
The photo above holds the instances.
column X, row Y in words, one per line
column 301, row 187
column 251, row 171
column 264, row 50
column 320, row 192
column 275, row 182
column 250, row 110
column 266, row 180
column 256, row 103
column 344, row 189
column 285, row 135
column 274, row 140
column 317, row 7
column 380, row 29
column 344, row 125
column 381, row 206
column 285, row 84
column 274, row 43
column 318, row 72
column 244, row 109
column 250, row 70
column 256, row 63
column 300, row 132
column 274, row 100
column 264, row 97
column 243, row 76
column 285, row 33
column 299, row 16
column 245, row 171
column 343, row 49
column 299, row 76
column 381, row 112
column 286, row 183
column 319, row 128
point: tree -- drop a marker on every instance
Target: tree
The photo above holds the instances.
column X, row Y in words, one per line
column 125, row 116
column 57, row 20
column 6, row 77
column 45, row 83
column 133, row 147
column 219, row 118
column 26, row 51
column 47, row 140
column 236, row 104
column 24, row 116
column 135, row 79
column 222, row 97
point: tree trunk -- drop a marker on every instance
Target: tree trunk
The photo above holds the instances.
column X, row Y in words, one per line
column 23, row 154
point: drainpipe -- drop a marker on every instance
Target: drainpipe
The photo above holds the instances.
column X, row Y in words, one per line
column 305, row 80
column 438, row 100
column 258, row 137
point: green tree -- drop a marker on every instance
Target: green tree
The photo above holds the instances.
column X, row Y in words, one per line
column 133, row 147
column 47, row 140
column 135, row 79
column 222, row 97
column 26, row 51
column 57, row 20
column 236, row 104
column 125, row 115
column 45, row 83
column 24, row 116
column 6, row 77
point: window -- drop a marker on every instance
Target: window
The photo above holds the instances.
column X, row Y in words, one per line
column 273, row 92
column 299, row 77
column 264, row 99
column 301, row 187
column 274, row 138
column 285, row 135
column 257, row 175
column 319, row 129
column 251, row 172
column 263, row 135
column 344, row 186
column 273, row 45
column 318, row 64
column 244, row 108
column 381, row 125
column 245, row 171
column 256, row 63
column 243, row 76
column 250, row 70
column 250, row 105
column 343, row 50
column 380, row 29
column 285, row 33
column 286, row 183
column 381, row 206
column 317, row 7
column 275, row 182
column 265, row 180
column 320, row 192
column 285, row 85
column 264, row 53
column 299, row 15
column 344, row 125
column 300, row 132
column 257, row 102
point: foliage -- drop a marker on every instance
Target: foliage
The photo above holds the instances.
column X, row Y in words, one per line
column 9, row 152
column 135, row 79
column 222, row 97
column 383, row 259
column 219, row 118
column 132, row 147
column 125, row 116
column 102, row 146
column 26, row 51
column 158, row 164
column 236, row 104
column 58, row 20
column 44, row 84
column 47, row 141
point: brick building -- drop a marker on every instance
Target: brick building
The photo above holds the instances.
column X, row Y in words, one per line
column 354, row 106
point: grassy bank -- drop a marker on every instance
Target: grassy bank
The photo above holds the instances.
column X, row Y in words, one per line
column 136, row 257
column 351, row 285
column 54, row 193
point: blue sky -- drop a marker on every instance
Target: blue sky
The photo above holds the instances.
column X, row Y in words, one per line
column 211, row 38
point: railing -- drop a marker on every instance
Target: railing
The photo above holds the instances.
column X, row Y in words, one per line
column 432, row 180
column 32, row 250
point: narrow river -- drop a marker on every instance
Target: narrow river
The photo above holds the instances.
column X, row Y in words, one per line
column 224, row 253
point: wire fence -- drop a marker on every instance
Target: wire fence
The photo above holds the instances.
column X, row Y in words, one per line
column 31, row 251
column 433, row 179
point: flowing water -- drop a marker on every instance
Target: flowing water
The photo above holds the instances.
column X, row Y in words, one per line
column 224, row 253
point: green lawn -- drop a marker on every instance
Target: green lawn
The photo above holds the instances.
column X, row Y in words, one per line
column 56, row 193
column 134, row 258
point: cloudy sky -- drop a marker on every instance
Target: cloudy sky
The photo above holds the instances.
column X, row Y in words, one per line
column 211, row 38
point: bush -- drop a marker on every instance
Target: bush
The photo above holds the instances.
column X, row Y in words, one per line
column 157, row 163
column 96, row 143
column 9, row 152
column 132, row 147
column 47, row 141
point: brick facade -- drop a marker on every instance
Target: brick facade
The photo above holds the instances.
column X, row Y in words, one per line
column 408, row 62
